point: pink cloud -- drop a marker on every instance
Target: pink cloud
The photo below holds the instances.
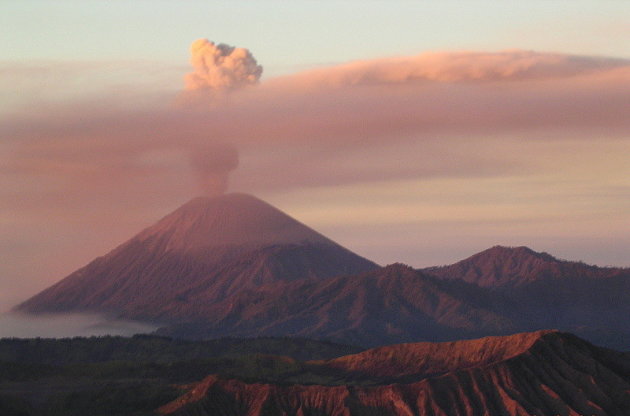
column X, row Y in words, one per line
column 220, row 67
column 338, row 112
column 325, row 123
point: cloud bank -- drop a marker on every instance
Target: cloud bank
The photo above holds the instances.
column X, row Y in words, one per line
column 329, row 125
column 465, row 66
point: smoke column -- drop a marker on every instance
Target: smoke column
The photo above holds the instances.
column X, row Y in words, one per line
column 217, row 68
column 212, row 165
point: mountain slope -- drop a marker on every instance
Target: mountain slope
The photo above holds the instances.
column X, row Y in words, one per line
column 535, row 291
column 514, row 266
column 544, row 373
column 208, row 249
column 392, row 304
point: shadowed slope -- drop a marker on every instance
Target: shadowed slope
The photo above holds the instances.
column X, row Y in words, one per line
column 392, row 304
column 204, row 251
column 536, row 291
column 544, row 373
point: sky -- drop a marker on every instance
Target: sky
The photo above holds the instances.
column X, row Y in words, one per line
column 414, row 132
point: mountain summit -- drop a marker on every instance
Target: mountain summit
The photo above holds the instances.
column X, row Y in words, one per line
column 204, row 251
column 501, row 266
column 231, row 219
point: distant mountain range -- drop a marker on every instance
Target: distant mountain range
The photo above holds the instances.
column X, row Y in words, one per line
column 236, row 266
column 501, row 267
column 392, row 304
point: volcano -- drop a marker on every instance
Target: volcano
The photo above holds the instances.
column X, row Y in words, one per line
column 203, row 252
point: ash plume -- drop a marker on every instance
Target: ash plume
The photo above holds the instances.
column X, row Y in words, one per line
column 220, row 67
column 212, row 164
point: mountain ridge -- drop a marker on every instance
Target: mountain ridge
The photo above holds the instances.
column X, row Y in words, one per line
column 390, row 305
column 503, row 266
column 548, row 372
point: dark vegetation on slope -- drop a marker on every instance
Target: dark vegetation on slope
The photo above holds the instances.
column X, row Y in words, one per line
column 134, row 376
column 148, row 348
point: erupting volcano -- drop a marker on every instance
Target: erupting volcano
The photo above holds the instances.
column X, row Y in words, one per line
column 201, row 253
